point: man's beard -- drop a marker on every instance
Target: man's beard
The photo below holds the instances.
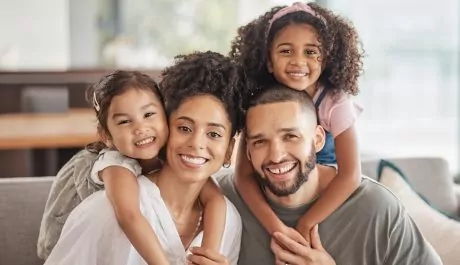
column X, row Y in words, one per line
column 300, row 179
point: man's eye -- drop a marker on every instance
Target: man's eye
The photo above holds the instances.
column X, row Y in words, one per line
column 258, row 142
column 290, row 136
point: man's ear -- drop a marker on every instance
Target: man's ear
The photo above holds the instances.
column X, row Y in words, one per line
column 229, row 153
column 248, row 154
column 320, row 138
column 105, row 137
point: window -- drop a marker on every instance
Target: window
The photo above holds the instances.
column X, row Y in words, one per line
column 151, row 32
column 410, row 86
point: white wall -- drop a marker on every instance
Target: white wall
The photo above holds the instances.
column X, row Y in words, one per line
column 34, row 34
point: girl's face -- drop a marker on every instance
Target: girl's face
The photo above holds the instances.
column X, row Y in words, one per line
column 199, row 140
column 137, row 124
column 295, row 57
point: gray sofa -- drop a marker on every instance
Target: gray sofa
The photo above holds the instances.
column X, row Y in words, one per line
column 22, row 201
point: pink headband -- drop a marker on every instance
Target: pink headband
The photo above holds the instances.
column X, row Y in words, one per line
column 296, row 7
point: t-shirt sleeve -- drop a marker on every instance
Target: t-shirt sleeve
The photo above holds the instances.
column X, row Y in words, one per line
column 113, row 158
column 408, row 247
column 337, row 113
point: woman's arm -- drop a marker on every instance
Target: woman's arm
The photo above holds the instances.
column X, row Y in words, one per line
column 251, row 193
column 215, row 208
column 123, row 192
column 342, row 185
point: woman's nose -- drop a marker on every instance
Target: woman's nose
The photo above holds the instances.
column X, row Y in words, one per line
column 197, row 140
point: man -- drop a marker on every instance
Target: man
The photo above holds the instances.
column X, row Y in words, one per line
column 370, row 228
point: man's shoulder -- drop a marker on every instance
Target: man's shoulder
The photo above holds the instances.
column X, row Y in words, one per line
column 225, row 179
column 375, row 198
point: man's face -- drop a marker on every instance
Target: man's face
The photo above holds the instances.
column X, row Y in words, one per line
column 282, row 142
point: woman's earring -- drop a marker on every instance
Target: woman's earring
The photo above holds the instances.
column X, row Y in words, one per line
column 226, row 165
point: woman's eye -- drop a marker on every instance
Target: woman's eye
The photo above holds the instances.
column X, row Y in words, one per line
column 184, row 129
column 214, row 135
column 149, row 114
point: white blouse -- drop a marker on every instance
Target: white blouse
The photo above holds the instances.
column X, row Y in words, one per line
column 92, row 236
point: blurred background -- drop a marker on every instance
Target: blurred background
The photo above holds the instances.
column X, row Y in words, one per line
column 409, row 88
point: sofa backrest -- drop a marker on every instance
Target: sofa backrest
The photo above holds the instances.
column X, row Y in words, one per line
column 428, row 176
column 22, row 201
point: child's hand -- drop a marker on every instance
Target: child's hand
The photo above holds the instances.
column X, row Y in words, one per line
column 294, row 235
column 305, row 228
column 204, row 256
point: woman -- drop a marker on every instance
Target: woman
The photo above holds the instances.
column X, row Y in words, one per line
column 203, row 95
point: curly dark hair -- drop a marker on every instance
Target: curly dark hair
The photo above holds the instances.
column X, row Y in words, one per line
column 207, row 73
column 339, row 39
column 101, row 93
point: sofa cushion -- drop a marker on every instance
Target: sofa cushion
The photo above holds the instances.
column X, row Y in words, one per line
column 428, row 176
column 22, row 201
column 442, row 233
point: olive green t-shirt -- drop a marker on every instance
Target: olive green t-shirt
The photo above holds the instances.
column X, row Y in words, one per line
column 370, row 228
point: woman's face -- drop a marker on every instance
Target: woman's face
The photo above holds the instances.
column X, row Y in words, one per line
column 199, row 140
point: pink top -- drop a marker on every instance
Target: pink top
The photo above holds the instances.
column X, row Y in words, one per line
column 337, row 112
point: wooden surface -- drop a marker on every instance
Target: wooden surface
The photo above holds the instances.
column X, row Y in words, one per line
column 66, row 77
column 75, row 128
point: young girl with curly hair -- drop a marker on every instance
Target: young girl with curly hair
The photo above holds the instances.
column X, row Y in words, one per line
column 311, row 49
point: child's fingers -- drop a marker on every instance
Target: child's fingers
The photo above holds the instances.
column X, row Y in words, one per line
column 296, row 236
column 208, row 254
column 282, row 255
column 315, row 239
column 291, row 245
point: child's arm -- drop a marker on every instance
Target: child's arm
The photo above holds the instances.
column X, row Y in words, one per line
column 215, row 211
column 123, row 192
column 342, row 185
column 250, row 191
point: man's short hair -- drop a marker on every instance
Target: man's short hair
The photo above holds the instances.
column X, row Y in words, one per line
column 276, row 93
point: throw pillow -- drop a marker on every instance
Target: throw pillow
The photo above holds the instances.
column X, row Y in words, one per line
column 442, row 232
